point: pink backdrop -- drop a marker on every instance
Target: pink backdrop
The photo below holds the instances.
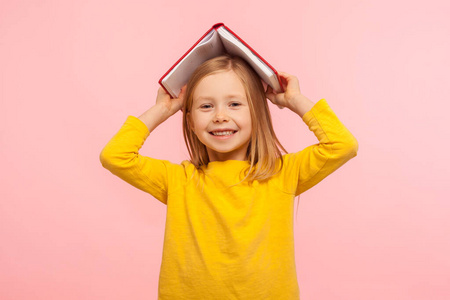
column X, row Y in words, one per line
column 72, row 71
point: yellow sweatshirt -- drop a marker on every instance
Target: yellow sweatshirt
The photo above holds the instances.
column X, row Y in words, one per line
column 225, row 239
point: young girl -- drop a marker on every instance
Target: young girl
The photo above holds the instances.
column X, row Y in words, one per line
column 229, row 227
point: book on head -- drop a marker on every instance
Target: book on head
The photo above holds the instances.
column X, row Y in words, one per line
column 217, row 41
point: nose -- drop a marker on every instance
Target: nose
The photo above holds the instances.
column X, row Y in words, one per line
column 220, row 116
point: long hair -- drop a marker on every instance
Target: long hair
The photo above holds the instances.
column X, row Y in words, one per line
column 263, row 152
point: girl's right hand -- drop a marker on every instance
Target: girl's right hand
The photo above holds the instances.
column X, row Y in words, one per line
column 163, row 109
column 170, row 105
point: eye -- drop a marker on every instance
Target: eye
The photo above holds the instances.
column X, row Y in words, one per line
column 235, row 104
column 205, row 106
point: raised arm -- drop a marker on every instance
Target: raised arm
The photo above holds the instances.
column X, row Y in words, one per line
column 336, row 146
column 121, row 155
column 163, row 109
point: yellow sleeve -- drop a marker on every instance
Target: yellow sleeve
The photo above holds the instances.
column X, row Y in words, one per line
column 121, row 157
column 306, row 168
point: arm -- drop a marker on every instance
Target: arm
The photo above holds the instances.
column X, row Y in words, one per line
column 304, row 169
column 292, row 98
column 163, row 109
column 121, row 155
column 314, row 163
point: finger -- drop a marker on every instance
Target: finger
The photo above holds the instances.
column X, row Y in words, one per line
column 280, row 100
column 270, row 94
column 288, row 77
column 291, row 81
column 264, row 84
column 161, row 91
column 182, row 91
column 162, row 94
column 269, row 90
column 284, row 74
column 181, row 97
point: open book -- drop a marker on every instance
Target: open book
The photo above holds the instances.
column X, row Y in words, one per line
column 215, row 42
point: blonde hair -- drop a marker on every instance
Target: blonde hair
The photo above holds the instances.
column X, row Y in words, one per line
column 263, row 152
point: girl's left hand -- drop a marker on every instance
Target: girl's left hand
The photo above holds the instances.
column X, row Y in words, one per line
column 291, row 91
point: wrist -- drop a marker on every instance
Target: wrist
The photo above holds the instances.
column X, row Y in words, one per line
column 162, row 110
column 154, row 116
column 301, row 105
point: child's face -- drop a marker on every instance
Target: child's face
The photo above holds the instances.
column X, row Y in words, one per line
column 220, row 116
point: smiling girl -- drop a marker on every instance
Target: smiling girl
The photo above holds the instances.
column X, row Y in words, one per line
column 229, row 225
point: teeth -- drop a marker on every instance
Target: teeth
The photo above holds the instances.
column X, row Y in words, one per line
column 222, row 132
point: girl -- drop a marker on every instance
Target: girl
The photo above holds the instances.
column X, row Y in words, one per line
column 229, row 227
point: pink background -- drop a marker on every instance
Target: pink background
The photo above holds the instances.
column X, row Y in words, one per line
column 72, row 71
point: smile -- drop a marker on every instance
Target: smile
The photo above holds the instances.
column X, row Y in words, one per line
column 223, row 133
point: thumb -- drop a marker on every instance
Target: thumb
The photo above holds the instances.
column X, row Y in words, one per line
column 270, row 94
column 181, row 97
column 182, row 92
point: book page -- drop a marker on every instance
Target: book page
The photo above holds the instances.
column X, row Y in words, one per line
column 235, row 47
column 209, row 47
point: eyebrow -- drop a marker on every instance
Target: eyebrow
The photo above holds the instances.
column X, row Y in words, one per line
column 228, row 96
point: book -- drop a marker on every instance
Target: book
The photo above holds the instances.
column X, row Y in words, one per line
column 217, row 41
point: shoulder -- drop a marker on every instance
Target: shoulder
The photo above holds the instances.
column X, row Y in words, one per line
column 187, row 166
column 284, row 165
column 288, row 160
